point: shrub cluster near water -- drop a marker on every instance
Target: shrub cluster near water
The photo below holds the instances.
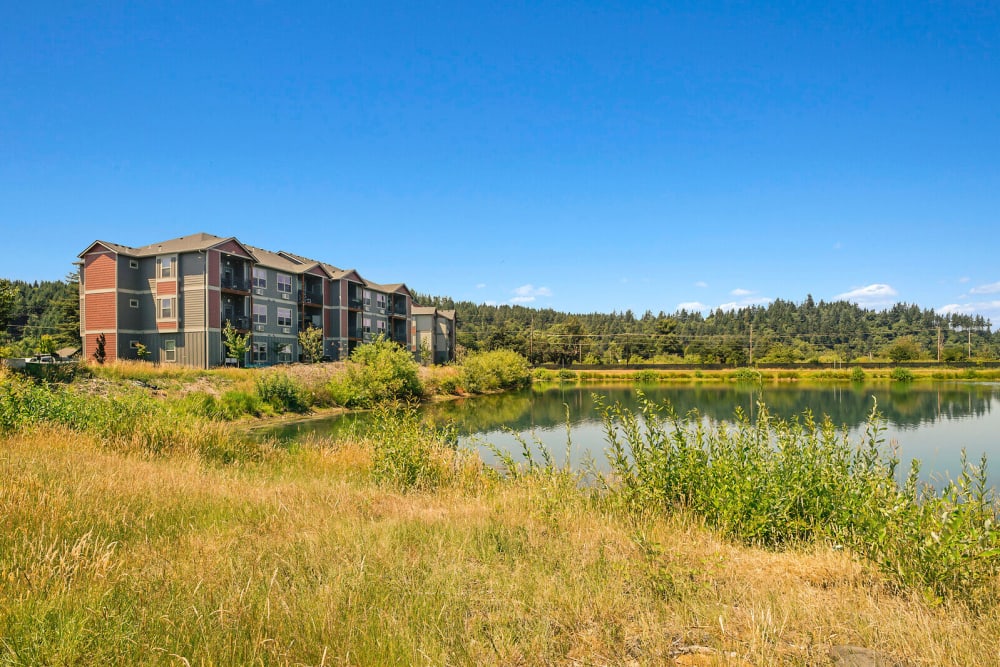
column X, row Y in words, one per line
column 774, row 483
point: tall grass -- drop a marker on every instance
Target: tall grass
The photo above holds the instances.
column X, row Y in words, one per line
column 778, row 483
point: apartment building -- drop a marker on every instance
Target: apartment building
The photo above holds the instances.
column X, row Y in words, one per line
column 433, row 334
column 174, row 297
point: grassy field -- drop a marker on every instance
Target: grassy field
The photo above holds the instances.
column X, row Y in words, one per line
column 136, row 530
column 307, row 559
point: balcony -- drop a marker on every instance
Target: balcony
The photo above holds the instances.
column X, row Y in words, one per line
column 312, row 298
column 240, row 323
column 354, row 303
column 235, row 284
column 355, row 332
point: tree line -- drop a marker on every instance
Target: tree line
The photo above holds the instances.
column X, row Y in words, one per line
column 779, row 332
column 39, row 317
column 43, row 316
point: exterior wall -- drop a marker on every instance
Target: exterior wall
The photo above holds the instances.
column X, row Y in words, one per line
column 98, row 282
column 192, row 285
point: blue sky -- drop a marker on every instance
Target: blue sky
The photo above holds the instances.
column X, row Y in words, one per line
column 580, row 156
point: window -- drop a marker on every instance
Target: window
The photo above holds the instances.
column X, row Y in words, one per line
column 368, row 297
column 133, row 303
column 134, row 344
column 380, row 300
column 284, row 283
column 380, row 325
column 285, row 354
column 166, row 265
column 260, row 313
column 367, row 322
column 284, row 317
column 133, row 264
column 259, row 277
column 165, row 309
column 260, row 353
column 169, row 350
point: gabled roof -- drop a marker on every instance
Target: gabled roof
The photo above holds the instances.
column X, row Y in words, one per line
column 433, row 310
column 199, row 241
column 113, row 247
column 393, row 288
column 273, row 260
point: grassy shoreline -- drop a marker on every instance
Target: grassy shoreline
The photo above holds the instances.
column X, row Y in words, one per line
column 135, row 531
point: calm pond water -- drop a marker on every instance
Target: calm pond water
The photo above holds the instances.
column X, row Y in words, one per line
column 930, row 422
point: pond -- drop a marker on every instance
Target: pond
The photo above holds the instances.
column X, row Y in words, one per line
column 930, row 422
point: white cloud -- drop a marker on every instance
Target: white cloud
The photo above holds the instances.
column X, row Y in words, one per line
column 701, row 283
column 992, row 288
column 990, row 309
column 963, row 279
column 692, row 305
column 876, row 294
column 956, row 309
column 743, row 303
column 741, row 292
column 480, row 285
column 528, row 293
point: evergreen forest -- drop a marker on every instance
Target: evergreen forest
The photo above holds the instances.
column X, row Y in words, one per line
column 43, row 316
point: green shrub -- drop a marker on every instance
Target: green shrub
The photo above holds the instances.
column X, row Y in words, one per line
column 773, row 482
column 282, row 393
column 237, row 403
column 901, row 375
column 376, row 373
column 408, row 453
column 493, row 371
column 747, row 375
column 858, row 374
column 645, row 377
column 566, row 375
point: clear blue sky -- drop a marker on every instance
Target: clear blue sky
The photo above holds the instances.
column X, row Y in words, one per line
column 580, row 156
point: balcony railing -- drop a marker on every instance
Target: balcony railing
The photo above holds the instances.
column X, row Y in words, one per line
column 310, row 297
column 234, row 283
column 354, row 303
column 354, row 332
column 238, row 322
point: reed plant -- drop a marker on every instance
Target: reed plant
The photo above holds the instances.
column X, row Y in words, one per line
column 784, row 483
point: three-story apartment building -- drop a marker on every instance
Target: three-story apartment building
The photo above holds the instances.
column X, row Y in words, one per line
column 175, row 297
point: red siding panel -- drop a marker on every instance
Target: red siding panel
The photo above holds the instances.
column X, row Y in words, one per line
column 100, row 312
column 214, row 311
column 166, row 287
column 233, row 248
column 214, row 260
column 110, row 346
column 100, row 270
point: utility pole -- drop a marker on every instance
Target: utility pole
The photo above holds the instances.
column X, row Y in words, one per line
column 531, row 339
column 970, row 344
column 939, row 344
column 751, row 343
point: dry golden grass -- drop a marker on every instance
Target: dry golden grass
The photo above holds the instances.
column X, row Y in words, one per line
column 112, row 558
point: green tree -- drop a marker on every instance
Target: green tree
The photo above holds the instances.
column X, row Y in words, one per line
column 100, row 354
column 8, row 300
column 311, row 343
column 237, row 345
column 904, row 348
column 46, row 344
column 67, row 307
column 141, row 351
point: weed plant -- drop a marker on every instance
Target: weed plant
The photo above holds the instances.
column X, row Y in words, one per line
column 411, row 454
column 776, row 483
